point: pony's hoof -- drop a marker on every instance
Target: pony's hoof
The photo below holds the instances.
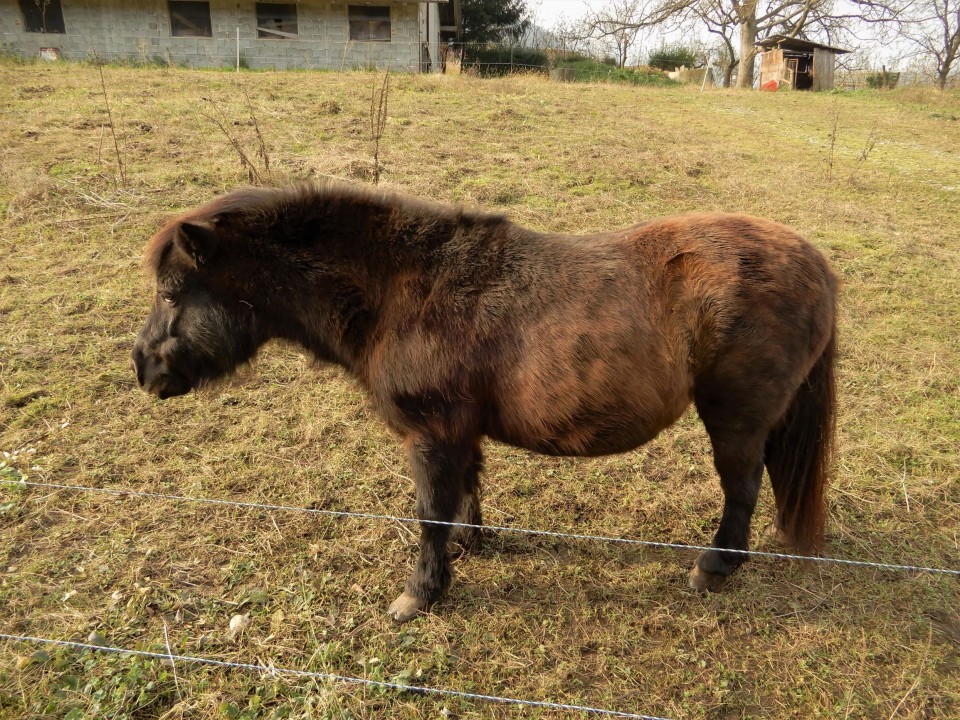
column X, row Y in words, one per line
column 774, row 535
column 703, row 581
column 406, row 607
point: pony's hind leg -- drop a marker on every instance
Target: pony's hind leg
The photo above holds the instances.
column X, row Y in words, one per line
column 438, row 470
column 468, row 538
column 741, row 486
column 738, row 458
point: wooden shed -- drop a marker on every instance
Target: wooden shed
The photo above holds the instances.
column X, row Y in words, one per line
column 796, row 64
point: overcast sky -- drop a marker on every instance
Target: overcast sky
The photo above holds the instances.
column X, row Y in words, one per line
column 547, row 12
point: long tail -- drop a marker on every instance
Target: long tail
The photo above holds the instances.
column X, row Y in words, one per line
column 798, row 454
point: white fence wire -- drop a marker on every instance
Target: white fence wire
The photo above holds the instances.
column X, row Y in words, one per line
column 292, row 672
column 275, row 671
column 496, row 528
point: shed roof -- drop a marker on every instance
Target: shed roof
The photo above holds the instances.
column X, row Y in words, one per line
column 786, row 43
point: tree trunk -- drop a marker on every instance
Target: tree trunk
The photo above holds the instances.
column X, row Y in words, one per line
column 943, row 72
column 728, row 74
column 748, row 36
column 730, row 62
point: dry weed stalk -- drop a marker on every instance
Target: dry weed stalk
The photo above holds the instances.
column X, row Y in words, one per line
column 261, row 144
column 253, row 173
column 378, row 119
column 870, row 143
column 834, row 131
column 100, row 148
column 113, row 129
column 4, row 154
column 346, row 50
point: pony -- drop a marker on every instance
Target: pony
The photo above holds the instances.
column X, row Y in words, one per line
column 462, row 325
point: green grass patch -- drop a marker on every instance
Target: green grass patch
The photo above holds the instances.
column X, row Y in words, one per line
column 589, row 70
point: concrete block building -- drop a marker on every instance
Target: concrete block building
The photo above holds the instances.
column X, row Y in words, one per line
column 400, row 35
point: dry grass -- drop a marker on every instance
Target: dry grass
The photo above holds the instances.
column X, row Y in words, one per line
column 534, row 618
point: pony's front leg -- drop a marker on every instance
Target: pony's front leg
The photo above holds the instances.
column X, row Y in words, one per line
column 468, row 538
column 439, row 467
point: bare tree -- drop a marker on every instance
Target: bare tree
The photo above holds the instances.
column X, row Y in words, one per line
column 831, row 20
column 739, row 24
column 758, row 19
column 620, row 22
column 572, row 36
column 934, row 27
column 719, row 19
column 749, row 21
column 617, row 24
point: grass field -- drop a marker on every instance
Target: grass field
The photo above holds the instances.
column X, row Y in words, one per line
column 872, row 179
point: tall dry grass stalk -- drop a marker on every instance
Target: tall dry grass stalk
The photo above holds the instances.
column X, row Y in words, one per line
column 113, row 129
column 870, row 143
column 254, row 174
column 262, row 153
column 834, row 132
column 378, row 119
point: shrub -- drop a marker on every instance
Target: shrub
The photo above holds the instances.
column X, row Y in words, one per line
column 589, row 70
column 670, row 57
column 497, row 61
column 883, row 80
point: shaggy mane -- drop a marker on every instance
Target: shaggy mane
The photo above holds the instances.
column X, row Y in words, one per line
column 252, row 201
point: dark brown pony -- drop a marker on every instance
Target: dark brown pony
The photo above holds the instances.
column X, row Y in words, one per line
column 462, row 325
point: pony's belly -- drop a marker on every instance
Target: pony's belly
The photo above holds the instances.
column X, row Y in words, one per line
column 586, row 439
column 596, row 445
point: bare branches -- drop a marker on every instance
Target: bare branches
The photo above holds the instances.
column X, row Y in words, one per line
column 720, row 19
column 620, row 15
column 933, row 26
column 42, row 5
column 618, row 24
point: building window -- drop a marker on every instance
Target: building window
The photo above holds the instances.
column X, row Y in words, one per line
column 42, row 16
column 190, row 19
column 369, row 23
column 277, row 20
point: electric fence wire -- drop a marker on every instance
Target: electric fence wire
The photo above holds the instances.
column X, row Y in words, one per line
column 495, row 528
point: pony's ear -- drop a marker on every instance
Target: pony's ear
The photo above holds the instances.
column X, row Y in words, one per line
column 199, row 240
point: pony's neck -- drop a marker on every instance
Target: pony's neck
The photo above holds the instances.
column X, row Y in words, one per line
column 339, row 260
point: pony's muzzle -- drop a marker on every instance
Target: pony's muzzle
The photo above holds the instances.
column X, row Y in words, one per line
column 155, row 376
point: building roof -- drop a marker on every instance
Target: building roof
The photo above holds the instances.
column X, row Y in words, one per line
column 786, row 43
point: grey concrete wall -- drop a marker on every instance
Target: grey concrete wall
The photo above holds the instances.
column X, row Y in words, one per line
column 139, row 30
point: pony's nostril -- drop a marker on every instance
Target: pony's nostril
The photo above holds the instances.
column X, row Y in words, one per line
column 136, row 364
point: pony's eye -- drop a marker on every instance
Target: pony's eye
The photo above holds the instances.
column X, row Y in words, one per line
column 166, row 296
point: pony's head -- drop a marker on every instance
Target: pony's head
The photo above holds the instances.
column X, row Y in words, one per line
column 262, row 263
column 203, row 322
